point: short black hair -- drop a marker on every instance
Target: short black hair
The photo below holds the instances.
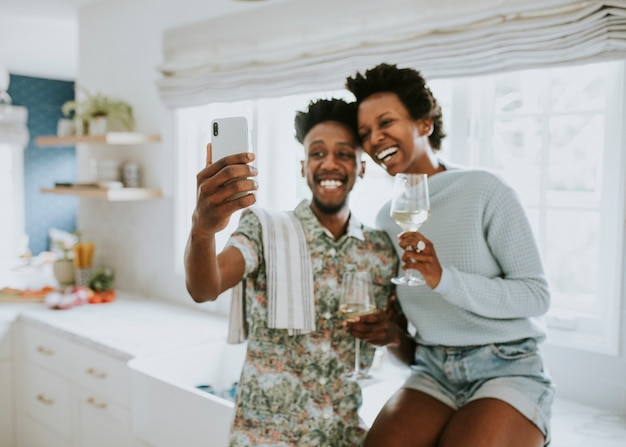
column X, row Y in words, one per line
column 321, row 110
column 410, row 87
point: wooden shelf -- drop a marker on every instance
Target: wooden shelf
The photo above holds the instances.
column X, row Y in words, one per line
column 112, row 138
column 109, row 194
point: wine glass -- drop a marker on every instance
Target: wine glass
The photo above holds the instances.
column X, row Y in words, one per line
column 357, row 298
column 410, row 207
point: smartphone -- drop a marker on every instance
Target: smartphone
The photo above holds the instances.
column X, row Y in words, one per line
column 229, row 136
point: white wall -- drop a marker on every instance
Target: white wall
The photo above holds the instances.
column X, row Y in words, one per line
column 44, row 47
column 120, row 46
column 119, row 50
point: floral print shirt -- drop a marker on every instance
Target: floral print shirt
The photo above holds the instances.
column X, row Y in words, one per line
column 291, row 392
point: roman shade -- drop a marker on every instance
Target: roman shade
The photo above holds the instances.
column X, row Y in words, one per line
column 299, row 46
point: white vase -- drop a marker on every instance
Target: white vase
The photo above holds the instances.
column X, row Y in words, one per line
column 65, row 127
column 63, row 270
column 98, row 125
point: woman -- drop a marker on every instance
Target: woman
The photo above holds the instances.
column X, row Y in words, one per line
column 477, row 374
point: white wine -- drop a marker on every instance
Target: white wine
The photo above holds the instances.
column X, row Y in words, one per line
column 410, row 220
column 351, row 310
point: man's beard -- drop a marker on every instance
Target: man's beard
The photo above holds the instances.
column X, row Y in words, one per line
column 329, row 209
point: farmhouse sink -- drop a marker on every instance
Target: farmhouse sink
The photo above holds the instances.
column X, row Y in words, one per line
column 169, row 409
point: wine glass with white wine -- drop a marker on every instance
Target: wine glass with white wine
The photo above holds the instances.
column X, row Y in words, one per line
column 357, row 298
column 410, row 208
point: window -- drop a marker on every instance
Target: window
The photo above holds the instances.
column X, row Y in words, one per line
column 555, row 134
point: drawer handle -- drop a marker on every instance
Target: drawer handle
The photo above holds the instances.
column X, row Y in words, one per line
column 94, row 403
column 45, row 351
column 45, row 400
column 97, row 374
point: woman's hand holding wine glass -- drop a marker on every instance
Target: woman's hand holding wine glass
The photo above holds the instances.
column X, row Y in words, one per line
column 410, row 208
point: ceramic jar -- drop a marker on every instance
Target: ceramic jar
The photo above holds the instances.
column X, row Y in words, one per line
column 63, row 271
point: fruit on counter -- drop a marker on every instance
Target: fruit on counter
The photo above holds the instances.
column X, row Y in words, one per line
column 105, row 296
column 72, row 296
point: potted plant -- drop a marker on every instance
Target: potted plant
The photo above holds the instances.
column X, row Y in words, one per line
column 99, row 113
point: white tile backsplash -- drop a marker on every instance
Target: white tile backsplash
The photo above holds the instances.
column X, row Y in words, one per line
column 137, row 240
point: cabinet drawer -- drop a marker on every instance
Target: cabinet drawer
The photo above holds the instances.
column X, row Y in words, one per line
column 47, row 399
column 47, row 349
column 101, row 421
column 36, row 435
column 6, row 341
column 106, row 375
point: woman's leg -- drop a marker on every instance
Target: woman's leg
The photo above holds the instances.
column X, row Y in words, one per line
column 410, row 418
column 490, row 422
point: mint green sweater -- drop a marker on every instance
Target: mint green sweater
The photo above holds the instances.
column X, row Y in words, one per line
column 493, row 288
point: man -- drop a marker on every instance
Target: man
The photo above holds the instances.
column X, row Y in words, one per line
column 291, row 390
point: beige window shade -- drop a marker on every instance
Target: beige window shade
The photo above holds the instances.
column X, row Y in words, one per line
column 298, row 47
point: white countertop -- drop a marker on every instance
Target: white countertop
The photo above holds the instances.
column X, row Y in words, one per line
column 10, row 311
column 132, row 327
column 128, row 327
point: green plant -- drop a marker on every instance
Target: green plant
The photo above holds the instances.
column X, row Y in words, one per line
column 118, row 112
column 102, row 280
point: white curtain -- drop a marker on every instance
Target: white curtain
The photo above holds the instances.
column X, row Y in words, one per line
column 302, row 46
column 13, row 128
column 13, row 140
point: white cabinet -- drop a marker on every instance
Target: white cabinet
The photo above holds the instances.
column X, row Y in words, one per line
column 101, row 422
column 45, row 398
column 101, row 399
column 6, row 404
column 72, row 394
column 33, row 434
column 6, row 386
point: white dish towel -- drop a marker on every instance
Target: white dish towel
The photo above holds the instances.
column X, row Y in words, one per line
column 290, row 292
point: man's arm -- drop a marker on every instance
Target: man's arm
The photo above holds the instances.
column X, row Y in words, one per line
column 208, row 274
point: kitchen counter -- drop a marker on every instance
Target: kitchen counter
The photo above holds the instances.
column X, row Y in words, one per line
column 134, row 327
column 126, row 328
column 9, row 312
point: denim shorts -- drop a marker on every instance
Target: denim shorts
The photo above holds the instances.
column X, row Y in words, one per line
column 512, row 372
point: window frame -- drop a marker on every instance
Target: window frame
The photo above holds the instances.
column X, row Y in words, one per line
column 566, row 328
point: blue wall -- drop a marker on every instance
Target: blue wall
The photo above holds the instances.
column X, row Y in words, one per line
column 45, row 166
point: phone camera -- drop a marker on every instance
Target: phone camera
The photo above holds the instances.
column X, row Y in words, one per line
column 215, row 129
